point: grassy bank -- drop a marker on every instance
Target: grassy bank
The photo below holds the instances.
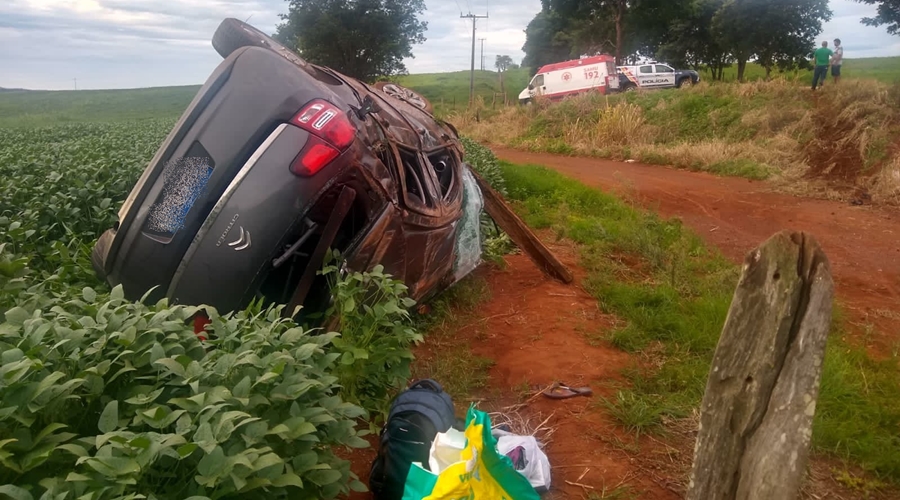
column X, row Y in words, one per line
column 673, row 294
column 840, row 136
column 883, row 69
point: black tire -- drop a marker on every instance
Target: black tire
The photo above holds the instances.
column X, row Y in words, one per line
column 685, row 83
column 630, row 88
column 409, row 96
column 98, row 254
column 233, row 34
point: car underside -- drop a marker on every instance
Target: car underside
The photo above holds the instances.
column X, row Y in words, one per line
column 274, row 163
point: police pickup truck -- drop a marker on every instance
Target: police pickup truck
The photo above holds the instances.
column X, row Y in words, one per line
column 654, row 75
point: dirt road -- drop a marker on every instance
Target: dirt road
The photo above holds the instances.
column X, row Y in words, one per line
column 735, row 215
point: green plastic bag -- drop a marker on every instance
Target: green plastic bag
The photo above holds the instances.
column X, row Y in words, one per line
column 481, row 473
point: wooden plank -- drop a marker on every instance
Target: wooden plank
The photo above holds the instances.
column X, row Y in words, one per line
column 520, row 234
column 756, row 415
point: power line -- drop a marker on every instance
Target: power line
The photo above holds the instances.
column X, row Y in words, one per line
column 474, row 19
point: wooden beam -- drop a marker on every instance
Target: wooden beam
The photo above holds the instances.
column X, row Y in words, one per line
column 757, row 412
column 520, row 234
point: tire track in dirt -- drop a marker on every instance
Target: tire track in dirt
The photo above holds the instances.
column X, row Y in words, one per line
column 736, row 215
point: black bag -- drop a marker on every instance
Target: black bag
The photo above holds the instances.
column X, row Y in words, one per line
column 417, row 415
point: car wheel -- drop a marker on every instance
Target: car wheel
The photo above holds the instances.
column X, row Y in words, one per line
column 686, row 83
column 630, row 88
column 233, row 34
column 407, row 95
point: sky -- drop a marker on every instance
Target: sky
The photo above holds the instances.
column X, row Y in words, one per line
column 92, row 44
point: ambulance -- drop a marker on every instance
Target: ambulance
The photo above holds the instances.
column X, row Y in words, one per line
column 560, row 80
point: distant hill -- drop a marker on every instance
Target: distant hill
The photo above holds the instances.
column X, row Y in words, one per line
column 447, row 91
column 4, row 89
column 44, row 107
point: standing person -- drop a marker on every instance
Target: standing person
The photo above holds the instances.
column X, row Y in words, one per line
column 821, row 59
column 836, row 60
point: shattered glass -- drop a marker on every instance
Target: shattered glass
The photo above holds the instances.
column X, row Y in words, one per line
column 468, row 237
column 185, row 179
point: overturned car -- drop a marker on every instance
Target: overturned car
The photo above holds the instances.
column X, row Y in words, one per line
column 276, row 161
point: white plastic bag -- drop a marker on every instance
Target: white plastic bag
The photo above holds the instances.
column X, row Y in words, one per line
column 536, row 467
column 445, row 450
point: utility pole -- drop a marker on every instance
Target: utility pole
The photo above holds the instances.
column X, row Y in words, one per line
column 76, row 83
column 474, row 19
column 482, row 52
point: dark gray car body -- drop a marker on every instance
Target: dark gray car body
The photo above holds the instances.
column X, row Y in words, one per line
column 211, row 217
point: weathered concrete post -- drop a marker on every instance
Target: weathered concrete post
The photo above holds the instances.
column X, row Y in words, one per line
column 757, row 412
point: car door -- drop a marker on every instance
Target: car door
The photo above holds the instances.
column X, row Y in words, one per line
column 646, row 76
column 537, row 85
column 665, row 76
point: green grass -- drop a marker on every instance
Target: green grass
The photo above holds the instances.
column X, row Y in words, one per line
column 450, row 91
column 884, row 69
column 674, row 304
column 447, row 91
column 448, row 360
column 43, row 108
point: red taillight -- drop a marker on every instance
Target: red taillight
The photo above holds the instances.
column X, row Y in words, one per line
column 314, row 157
column 332, row 133
column 326, row 121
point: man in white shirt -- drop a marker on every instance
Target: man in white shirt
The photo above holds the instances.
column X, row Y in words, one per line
column 836, row 60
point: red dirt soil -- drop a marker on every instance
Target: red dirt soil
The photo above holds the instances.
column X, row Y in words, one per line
column 537, row 331
column 736, row 215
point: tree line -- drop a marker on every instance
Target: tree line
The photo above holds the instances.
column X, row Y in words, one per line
column 778, row 34
column 369, row 39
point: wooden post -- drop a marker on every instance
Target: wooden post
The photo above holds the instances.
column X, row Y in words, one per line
column 757, row 412
column 520, row 234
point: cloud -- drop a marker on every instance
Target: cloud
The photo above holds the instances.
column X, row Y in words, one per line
column 137, row 43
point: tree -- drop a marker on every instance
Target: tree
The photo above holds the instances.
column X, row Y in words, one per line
column 572, row 28
column 503, row 63
column 888, row 13
column 546, row 39
column 595, row 23
column 365, row 39
column 777, row 32
column 692, row 41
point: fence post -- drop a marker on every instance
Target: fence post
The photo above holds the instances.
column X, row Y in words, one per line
column 757, row 412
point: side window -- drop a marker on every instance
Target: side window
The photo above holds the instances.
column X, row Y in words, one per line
column 664, row 69
column 538, row 81
column 445, row 167
column 417, row 192
column 646, row 69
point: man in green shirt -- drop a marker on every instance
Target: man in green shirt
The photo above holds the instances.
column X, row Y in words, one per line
column 821, row 61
